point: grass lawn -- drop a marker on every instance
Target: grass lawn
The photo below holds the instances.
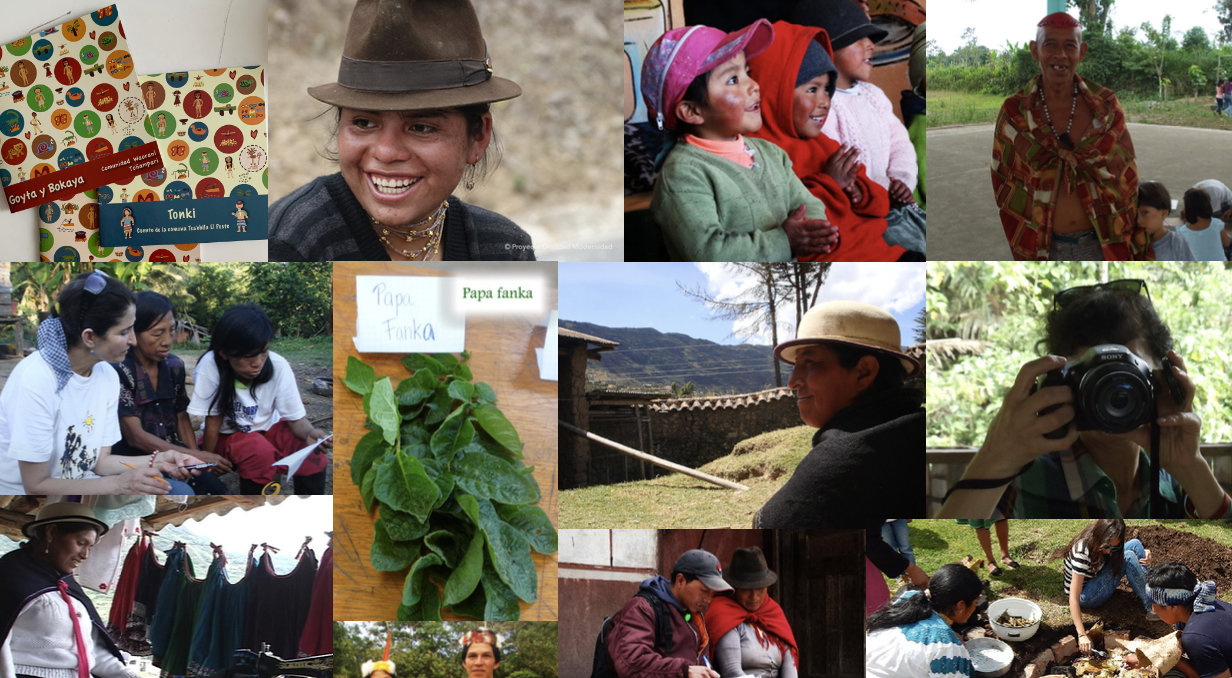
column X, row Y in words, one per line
column 314, row 352
column 961, row 108
column 764, row 463
column 1183, row 112
column 1032, row 543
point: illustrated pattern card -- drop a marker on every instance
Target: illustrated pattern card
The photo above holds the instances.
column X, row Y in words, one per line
column 69, row 231
column 70, row 112
column 210, row 126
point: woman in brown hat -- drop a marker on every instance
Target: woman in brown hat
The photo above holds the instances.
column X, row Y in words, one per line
column 868, row 453
column 48, row 625
column 412, row 109
column 753, row 637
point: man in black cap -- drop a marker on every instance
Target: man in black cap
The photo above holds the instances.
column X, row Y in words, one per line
column 639, row 646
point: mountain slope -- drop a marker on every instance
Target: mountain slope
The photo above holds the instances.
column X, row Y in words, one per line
column 648, row 359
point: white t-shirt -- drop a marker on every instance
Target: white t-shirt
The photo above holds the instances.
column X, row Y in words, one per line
column 67, row 431
column 276, row 399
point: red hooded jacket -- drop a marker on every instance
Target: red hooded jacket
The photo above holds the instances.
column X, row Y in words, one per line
column 861, row 226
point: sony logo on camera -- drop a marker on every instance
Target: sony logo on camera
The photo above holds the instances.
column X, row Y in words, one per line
column 1120, row 357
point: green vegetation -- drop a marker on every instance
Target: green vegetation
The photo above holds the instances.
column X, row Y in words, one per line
column 984, row 319
column 962, row 108
column 528, row 649
column 1032, row 544
column 764, row 463
column 1140, row 63
column 296, row 296
column 456, row 499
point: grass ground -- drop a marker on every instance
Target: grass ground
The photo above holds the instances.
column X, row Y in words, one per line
column 764, row 463
column 961, row 108
column 314, row 351
column 1032, row 544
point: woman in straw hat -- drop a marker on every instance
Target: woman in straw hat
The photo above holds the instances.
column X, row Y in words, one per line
column 48, row 625
column 868, row 453
column 754, row 638
column 412, row 110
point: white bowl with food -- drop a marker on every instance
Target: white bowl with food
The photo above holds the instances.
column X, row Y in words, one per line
column 1014, row 619
column 990, row 657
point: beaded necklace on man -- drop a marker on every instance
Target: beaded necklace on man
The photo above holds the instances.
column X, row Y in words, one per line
column 434, row 231
column 1063, row 138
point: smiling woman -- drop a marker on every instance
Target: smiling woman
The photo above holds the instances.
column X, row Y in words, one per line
column 413, row 121
column 47, row 624
column 868, row 453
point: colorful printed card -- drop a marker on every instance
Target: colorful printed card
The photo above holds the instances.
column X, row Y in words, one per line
column 210, row 126
column 70, row 112
column 68, row 231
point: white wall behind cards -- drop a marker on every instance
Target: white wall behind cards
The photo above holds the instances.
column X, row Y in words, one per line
column 163, row 36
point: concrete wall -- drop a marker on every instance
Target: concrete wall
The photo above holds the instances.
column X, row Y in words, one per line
column 599, row 571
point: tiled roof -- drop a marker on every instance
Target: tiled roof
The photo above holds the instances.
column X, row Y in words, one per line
column 570, row 334
column 722, row 402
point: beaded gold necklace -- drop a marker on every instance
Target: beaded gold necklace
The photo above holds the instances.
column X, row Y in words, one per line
column 433, row 232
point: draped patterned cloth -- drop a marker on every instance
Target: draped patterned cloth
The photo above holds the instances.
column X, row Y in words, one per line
column 1029, row 163
column 725, row 614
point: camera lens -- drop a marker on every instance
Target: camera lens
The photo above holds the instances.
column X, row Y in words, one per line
column 1119, row 400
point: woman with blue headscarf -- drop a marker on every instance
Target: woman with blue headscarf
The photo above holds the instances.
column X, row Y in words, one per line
column 58, row 409
column 1205, row 621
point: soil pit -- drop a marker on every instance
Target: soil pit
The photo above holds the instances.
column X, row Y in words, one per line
column 1122, row 614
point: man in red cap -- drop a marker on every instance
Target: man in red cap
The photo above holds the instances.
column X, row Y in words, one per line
column 1063, row 168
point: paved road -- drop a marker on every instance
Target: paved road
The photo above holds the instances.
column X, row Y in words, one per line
column 962, row 217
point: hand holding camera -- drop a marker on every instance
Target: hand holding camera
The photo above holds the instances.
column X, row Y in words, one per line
column 1022, row 429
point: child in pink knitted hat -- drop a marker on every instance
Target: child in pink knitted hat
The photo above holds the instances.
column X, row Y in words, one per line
column 720, row 195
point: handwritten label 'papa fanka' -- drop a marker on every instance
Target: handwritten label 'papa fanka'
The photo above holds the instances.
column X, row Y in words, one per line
column 406, row 314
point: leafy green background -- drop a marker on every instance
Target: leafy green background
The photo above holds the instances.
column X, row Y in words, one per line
column 431, row 648
column 984, row 319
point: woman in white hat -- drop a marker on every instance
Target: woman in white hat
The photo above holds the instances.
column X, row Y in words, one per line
column 868, row 453
column 48, row 625
column 412, row 109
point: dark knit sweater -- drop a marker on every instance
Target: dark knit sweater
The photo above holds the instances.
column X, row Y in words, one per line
column 322, row 221
column 868, row 460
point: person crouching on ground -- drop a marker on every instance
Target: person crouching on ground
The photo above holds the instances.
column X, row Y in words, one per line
column 633, row 648
column 722, row 196
column 1205, row 621
column 912, row 635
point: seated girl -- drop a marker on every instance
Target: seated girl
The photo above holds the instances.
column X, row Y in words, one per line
column 722, row 196
column 254, row 414
column 58, row 410
column 797, row 78
column 153, row 397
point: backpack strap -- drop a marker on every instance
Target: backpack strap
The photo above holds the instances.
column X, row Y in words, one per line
column 663, row 620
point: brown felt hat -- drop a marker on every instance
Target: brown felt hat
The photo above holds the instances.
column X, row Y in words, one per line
column 403, row 55
column 748, row 570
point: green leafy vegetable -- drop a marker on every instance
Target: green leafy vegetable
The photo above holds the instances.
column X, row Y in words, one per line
column 444, row 465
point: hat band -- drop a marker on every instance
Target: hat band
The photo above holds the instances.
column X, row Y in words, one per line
column 412, row 76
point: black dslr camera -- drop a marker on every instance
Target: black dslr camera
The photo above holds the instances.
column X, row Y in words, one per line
column 1113, row 390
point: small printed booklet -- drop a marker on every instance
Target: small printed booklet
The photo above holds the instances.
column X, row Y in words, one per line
column 210, row 128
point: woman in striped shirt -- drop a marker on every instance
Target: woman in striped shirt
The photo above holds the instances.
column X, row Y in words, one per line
column 1097, row 559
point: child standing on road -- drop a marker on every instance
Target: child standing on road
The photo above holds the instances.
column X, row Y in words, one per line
column 861, row 116
column 720, row 195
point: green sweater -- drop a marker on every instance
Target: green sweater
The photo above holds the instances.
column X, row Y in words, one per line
column 712, row 209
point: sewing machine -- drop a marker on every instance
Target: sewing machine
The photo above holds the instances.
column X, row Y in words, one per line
column 249, row 664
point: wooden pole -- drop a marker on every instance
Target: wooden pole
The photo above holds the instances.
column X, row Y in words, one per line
column 653, row 459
